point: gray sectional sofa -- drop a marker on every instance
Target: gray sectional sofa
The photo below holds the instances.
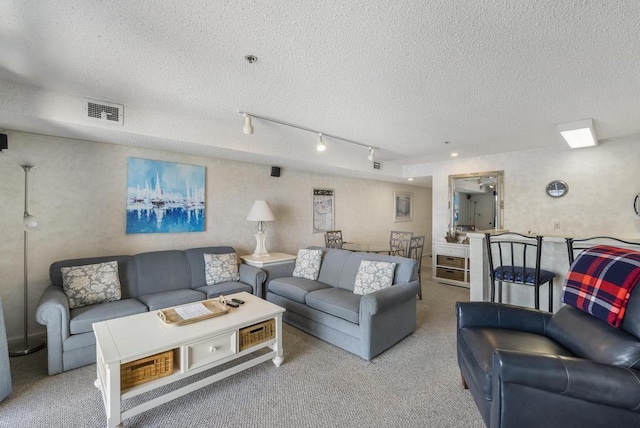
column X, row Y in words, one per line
column 149, row 281
column 327, row 308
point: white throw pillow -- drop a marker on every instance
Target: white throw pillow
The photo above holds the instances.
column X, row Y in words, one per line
column 221, row 268
column 373, row 276
column 90, row 284
column 308, row 264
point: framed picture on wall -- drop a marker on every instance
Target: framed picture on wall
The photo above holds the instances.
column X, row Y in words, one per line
column 402, row 206
column 165, row 197
column 323, row 210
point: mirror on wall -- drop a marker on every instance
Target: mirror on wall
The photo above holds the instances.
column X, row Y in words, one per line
column 476, row 201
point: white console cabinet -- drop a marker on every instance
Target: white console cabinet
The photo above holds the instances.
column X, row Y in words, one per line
column 451, row 264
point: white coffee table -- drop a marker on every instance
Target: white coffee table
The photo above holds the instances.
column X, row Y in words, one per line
column 196, row 347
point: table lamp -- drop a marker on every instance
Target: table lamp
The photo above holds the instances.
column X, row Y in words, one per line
column 261, row 212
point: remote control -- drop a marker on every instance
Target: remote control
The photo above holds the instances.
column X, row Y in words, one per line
column 238, row 301
column 232, row 304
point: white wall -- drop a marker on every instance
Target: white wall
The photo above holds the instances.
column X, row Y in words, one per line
column 78, row 190
column 603, row 182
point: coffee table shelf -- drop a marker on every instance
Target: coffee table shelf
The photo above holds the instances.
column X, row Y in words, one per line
column 196, row 347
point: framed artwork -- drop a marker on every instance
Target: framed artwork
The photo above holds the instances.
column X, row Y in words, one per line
column 164, row 197
column 402, row 206
column 323, row 210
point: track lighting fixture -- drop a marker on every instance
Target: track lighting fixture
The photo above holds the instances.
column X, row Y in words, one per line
column 320, row 144
column 371, row 155
column 248, row 127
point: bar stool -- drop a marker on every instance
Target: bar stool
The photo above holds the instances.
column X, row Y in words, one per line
column 515, row 258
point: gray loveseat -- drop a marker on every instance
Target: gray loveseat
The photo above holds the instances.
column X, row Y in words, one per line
column 149, row 281
column 327, row 308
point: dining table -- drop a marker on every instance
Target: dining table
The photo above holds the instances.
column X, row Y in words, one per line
column 368, row 247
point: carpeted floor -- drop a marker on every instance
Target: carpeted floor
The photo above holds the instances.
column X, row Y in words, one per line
column 414, row 384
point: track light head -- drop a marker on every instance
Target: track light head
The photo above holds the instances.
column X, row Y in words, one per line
column 321, row 146
column 372, row 154
column 248, row 127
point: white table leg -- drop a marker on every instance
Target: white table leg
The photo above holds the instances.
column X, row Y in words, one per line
column 279, row 358
column 112, row 395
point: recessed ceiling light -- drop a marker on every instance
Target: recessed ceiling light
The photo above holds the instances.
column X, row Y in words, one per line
column 410, row 179
column 579, row 134
column 454, row 154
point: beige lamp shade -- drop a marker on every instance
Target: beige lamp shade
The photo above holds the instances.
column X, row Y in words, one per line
column 261, row 211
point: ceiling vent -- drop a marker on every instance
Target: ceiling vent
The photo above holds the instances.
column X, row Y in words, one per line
column 104, row 112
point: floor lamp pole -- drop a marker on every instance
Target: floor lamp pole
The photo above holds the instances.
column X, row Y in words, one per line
column 26, row 349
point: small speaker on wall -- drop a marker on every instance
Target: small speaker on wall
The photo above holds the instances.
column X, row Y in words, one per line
column 275, row 171
column 3, row 142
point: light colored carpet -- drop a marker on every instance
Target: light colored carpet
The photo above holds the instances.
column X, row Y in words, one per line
column 414, row 384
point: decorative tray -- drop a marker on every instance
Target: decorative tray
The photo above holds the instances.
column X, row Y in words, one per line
column 194, row 312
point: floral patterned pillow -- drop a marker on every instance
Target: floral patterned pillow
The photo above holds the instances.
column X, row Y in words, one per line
column 221, row 268
column 373, row 276
column 308, row 264
column 90, row 284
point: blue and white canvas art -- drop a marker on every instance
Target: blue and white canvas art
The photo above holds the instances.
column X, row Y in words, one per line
column 165, row 197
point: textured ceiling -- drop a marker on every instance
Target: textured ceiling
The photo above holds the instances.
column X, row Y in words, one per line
column 488, row 76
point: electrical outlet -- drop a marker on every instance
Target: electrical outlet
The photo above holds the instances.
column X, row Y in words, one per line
column 556, row 224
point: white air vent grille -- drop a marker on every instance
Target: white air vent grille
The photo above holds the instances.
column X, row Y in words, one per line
column 104, row 112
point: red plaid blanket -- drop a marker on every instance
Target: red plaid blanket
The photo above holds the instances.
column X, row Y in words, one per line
column 600, row 281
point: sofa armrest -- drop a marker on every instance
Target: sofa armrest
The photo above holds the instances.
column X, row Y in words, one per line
column 53, row 311
column 499, row 315
column 387, row 298
column 568, row 377
column 252, row 276
column 280, row 270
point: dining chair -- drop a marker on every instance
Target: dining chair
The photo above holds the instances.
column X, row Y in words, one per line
column 399, row 243
column 416, row 248
column 515, row 258
column 333, row 239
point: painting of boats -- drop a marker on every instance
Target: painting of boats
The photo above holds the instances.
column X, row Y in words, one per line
column 165, row 197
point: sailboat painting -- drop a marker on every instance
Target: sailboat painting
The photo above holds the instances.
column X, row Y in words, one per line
column 165, row 197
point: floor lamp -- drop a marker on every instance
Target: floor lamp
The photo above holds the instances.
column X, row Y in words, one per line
column 30, row 223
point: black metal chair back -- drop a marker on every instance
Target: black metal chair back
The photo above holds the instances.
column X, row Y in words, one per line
column 575, row 246
column 333, row 239
column 416, row 248
column 515, row 258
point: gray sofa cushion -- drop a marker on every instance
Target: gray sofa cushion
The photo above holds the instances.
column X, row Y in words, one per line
column 160, row 271
column 228, row 287
column 337, row 302
column 295, row 288
column 171, row 298
column 82, row 318
column 332, row 264
column 195, row 257
column 127, row 272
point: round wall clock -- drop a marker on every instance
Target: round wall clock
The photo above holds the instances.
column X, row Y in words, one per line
column 557, row 188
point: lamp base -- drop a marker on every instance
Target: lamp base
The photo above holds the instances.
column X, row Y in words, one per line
column 26, row 350
column 261, row 249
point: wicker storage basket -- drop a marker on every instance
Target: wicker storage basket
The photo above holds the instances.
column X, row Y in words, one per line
column 146, row 369
column 257, row 333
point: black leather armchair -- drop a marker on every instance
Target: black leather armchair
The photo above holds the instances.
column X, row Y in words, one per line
column 529, row 368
